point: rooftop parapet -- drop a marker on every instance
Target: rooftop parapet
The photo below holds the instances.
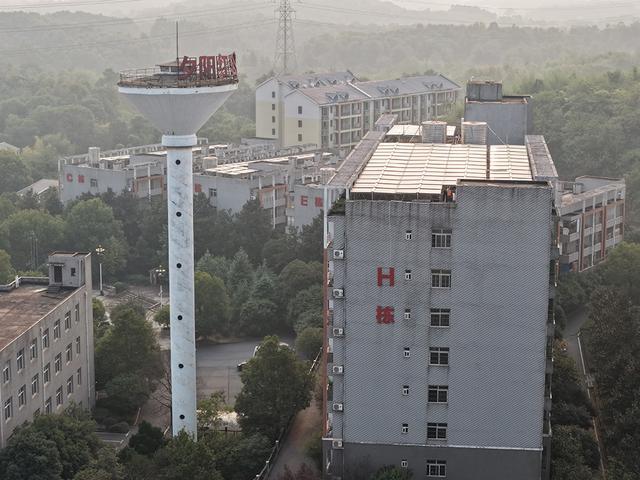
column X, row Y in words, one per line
column 190, row 72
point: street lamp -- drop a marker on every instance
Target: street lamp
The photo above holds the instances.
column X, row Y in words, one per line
column 160, row 271
column 100, row 251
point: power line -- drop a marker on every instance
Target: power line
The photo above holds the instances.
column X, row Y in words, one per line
column 64, row 4
column 128, row 21
column 285, row 57
column 12, row 52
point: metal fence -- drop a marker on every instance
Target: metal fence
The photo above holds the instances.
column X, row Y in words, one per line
column 275, row 451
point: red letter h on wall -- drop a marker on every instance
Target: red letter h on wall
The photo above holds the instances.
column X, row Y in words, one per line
column 386, row 276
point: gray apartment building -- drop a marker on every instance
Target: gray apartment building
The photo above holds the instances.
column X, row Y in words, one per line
column 591, row 221
column 46, row 342
column 439, row 323
column 335, row 110
column 229, row 176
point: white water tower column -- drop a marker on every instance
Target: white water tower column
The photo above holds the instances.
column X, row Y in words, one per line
column 181, row 280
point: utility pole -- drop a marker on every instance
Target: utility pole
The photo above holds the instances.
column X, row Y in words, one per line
column 285, row 59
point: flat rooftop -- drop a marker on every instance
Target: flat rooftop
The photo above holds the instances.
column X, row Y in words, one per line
column 424, row 168
column 23, row 307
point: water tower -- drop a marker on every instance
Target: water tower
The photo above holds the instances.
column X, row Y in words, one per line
column 178, row 98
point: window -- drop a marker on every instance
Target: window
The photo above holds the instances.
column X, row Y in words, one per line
column 47, row 406
column 405, row 428
column 35, row 384
column 407, row 352
column 213, row 192
column 22, row 396
column 46, row 373
column 441, row 238
column 405, row 390
column 441, row 278
column 78, row 345
column 273, row 106
column 79, row 377
column 440, row 317
column 59, row 396
column 299, row 137
column 438, row 393
column 93, row 182
column 407, row 274
column 299, row 123
column 45, row 339
column 438, row 355
column 70, row 385
column 407, row 314
column 273, row 119
column 77, row 310
column 6, row 373
column 408, row 235
column 73, row 272
column 57, row 364
column 67, row 321
column 20, row 360
column 69, row 353
column 36, row 413
column 273, row 131
column 56, row 329
column 8, row 409
column 33, row 349
column 437, row 431
column 273, row 94
column 436, row 468
column 299, row 109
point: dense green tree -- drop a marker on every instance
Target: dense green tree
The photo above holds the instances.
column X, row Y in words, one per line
column 105, row 466
column 7, row 206
column 30, row 455
column 258, row 317
column 238, row 457
column 391, row 472
column 308, row 300
column 209, row 411
column 90, row 223
column 42, row 157
column 129, row 346
column 304, row 472
column 23, row 229
column 100, row 321
column 311, row 238
column 253, row 229
column 215, row 266
column 6, row 270
column 240, row 270
column 568, row 460
column 309, row 342
column 127, row 392
column 297, row 276
column 163, row 316
column 212, row 305
column 148, row 440
column 279, row 252
column 622, row 270
column 184, row 458
column 275, row 385
column 14, row 173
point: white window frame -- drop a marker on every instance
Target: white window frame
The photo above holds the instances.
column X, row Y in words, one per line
column 79, row 376
column 20, row 360
column 33, row 349
column 78, row 347
column 6, row 373
column 57, row 365
column 22, row 396
column 438, row 390
column 45, row 339
column 438, row 314
column 48, row 406
column 67, row 321
column 440, row 278
column 436, row 468
column 46, row 373
column 8, row 409
column 77, row 312
column 56, row 329
column 35, row 384
column 439, row 428
column 441, row 238
column 59, row 397
column 70, row 386
column 68, row 353
column 442, row 353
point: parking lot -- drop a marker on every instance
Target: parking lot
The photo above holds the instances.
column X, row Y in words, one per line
column 217, row 366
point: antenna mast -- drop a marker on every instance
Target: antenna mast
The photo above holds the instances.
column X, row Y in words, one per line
column 177, row 54
column 285, row 58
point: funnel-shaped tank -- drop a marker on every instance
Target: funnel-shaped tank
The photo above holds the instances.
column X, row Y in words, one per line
column 178, row 111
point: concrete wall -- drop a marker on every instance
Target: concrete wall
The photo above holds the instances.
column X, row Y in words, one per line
column 264, row 111
column 76, row 180
column 230, row 193
column 499, row 261
column 511, row 121
column 83, row 393
column 310, row 117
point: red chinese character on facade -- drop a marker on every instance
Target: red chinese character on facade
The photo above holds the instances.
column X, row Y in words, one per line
column 304, row 200
column 197, row 187
column 69, row 177
column 386, row 276
column 80, row 178
column 319, row 202
column 384, row 315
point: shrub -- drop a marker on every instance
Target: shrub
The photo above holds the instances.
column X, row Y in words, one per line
column 120, row 427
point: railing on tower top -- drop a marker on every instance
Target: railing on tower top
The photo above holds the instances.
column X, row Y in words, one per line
column 204, row 71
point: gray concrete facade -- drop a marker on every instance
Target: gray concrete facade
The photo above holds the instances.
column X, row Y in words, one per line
column 510, row 119
column 378, row 408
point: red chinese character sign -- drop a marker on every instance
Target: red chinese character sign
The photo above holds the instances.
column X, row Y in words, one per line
column 384, row 315
column 388, row 276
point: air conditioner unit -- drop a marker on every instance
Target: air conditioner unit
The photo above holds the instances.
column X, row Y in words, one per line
column 338, row 254
column 338, row 332
column 407, row 315
column 338, row 369
column 338, row 407
column 336, row 443
column 338, row 293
